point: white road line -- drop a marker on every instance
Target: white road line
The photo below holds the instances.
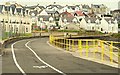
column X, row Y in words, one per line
column 43, row 60
column 15, row 60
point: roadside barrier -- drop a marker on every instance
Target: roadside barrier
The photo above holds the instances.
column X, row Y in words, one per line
column 94, row 48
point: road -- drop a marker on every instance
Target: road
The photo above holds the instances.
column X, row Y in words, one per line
column 36, row 57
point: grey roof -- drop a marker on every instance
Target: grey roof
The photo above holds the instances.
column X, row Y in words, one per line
column 72, row 7
column 1, row 7
column 110, row 19
column 52, row 6
column 69, row 19
column 85, row 6
column 13, row 7
column 7, row 8
column 33, row 7
column 52, row 12
column 95, row 6
column 92, row 19
column 35, row 12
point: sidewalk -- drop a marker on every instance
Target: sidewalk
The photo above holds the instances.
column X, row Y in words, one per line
column 94, row 57
column 97, row 56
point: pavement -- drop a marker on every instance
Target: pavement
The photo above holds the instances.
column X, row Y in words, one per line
column 65, row 62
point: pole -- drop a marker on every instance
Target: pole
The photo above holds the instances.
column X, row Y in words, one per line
column 8, row 24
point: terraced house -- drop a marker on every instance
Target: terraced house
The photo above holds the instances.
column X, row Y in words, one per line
column 15, row 18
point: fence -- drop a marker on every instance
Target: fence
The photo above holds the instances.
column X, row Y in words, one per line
column 94, row 48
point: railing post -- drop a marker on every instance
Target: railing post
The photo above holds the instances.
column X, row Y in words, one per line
column 73, row 45
column 64, row 43
column 69, row 44
column 67, row 48
column 87, row 48
column 80, row 46
column 95, row 47
column 102, row 54
column 111, row 52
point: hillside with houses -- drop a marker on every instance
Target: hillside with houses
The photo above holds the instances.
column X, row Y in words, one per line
column 18, row 18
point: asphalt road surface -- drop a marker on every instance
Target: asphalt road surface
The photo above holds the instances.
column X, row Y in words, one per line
column 36, row 57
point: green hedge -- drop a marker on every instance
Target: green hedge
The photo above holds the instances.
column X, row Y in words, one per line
column 116, row 35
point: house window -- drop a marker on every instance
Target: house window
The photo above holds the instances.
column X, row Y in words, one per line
column 14, row 22
column 6, row 21
column 112, row 28
column 92, row 28
column 16, row 29
column 101, row 29
column 26, row 29
column 98, row 27
column 11, row 28
column 17, row 22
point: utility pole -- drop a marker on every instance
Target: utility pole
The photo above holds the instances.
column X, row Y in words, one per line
column 1, row 32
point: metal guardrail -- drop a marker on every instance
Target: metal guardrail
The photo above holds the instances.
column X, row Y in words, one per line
column 104, row 48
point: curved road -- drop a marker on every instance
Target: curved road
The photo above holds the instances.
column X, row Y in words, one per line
column 35, row 56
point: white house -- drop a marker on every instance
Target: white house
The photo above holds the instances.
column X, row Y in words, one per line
column 14, row 20
column 103, row 25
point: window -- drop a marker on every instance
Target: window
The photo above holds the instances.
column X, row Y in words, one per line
column 17, row 29
column 24, row 22
column 11, row 28
column 98, row 27
column 14, row 22
column 26, row 29
column 6, row 21
column 17, row 22
column 101, row 29
column 28, row 23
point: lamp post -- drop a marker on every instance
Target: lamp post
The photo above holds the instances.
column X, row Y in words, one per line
column 41, row 22
column 8, row 27
column 65, row 21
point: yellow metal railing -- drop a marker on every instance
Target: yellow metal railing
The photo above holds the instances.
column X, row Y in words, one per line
column 87, row 46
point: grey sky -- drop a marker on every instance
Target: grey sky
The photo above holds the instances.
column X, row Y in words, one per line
column 112, row 4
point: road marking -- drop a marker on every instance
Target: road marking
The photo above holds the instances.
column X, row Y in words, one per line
column 43, row 60
column 15, row 60
column 40, row 67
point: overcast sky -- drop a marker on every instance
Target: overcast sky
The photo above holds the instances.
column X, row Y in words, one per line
column 113, row 4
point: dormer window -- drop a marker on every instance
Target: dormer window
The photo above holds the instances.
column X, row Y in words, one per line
column 97, row 21
column 89, row 21
column 74, row 20
column 50, row 19
column 115, row 21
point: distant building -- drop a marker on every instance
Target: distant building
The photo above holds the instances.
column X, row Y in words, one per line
column 104, row 25
column 116, row 14
column 86, row 8
column 99, row 9
column 15, row 18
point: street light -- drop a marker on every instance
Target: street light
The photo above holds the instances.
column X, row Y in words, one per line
column 41, row 22
column 0, row 32
column 65, row 21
